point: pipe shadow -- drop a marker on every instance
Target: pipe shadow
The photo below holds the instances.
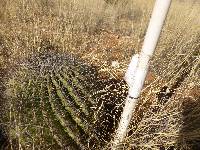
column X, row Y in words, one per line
column 189, row 135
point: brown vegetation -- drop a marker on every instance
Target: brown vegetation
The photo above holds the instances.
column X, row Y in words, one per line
column 101, row 33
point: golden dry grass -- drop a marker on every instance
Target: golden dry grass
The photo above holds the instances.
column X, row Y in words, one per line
column 102, row 33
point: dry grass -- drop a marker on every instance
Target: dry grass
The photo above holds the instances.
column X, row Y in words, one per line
column 102, row 33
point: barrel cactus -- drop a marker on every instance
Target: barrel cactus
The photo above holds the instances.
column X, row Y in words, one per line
column 58, row 101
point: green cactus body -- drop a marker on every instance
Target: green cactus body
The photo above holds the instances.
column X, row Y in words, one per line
column 59, row 102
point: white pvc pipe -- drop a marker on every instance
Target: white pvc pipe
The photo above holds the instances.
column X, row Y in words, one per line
column 139, row 72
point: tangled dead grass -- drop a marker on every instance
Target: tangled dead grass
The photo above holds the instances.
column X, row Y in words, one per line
column 102, row 33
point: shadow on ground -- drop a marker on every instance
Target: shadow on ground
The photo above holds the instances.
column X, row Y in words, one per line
column 189, row 138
